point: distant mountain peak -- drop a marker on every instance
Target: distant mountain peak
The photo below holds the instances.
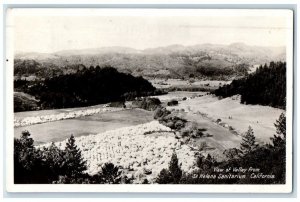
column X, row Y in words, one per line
column 238, row 44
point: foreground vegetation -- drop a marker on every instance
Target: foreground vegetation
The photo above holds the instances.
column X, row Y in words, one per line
column 54, row 165
column 266, row 86
column 66, row 165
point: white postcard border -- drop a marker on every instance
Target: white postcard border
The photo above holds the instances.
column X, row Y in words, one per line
column 11, row 187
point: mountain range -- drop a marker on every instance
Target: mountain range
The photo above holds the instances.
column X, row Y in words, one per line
column 206, row 61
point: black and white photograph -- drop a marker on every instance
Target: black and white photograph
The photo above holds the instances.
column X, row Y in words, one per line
column 155, row 98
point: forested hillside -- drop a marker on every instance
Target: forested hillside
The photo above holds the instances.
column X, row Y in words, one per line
column 266, row 86
column 86, row 87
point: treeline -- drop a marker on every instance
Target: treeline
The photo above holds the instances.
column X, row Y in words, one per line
column 266, row 86
column 89, row 86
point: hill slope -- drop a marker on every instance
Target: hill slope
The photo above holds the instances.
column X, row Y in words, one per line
column 24, row 102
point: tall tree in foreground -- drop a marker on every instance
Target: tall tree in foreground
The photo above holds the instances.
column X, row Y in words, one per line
column 248, row 143
column 73, row 164
column 172, row 175
column 175, row 169
column 279, row 138
column 278, row 148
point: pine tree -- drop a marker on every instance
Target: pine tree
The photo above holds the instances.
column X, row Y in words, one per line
column 54, row 158
column 172, row 175
column 174, row 169
column 248, row 143
column 73, row 164
column 278, row 140
column 281, row 125
column 278, row 148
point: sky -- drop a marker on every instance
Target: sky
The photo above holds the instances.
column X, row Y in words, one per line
column 51, row 33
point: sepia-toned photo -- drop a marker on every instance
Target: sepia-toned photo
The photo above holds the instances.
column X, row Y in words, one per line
column 155, row 98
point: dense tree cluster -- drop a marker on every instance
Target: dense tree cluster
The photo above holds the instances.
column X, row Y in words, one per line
column 266, row 86
column 89, row 86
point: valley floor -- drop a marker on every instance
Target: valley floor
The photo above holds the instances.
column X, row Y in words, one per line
column 119, row 135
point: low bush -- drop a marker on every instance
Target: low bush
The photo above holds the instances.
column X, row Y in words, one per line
column 173, row 122
column 169, row 119
column 172, row 103
column 147, row 103
column 161, row 112
column 192, row 130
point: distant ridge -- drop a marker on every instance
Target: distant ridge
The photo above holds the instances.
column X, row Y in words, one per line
column 175, row 61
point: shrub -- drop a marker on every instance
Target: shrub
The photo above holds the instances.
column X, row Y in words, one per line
column 164, row 177
column 109, row 174
column 168, row 119
column 147, row 103
column 160, row 113
column 205, row 163
column 173, row 122
column 232, row 153
column 172, row 103
column 192, row 130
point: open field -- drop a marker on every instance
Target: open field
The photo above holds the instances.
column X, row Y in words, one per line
column 235, row 114
column 97, row 123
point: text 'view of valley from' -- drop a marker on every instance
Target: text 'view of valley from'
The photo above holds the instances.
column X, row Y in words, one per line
column 149, row 100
